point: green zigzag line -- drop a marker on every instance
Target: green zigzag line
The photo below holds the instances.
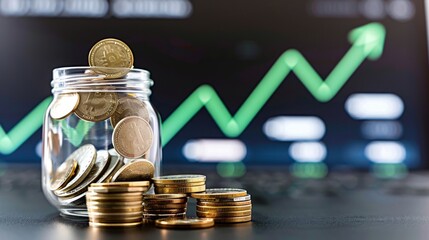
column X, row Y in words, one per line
column 367, row 42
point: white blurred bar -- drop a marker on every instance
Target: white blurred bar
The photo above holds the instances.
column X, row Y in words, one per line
column 215, row 150
column 293, row 128
column 151, row 8
column 385, row 152
column 381, row 129
column 308, row 151
column 374, row 106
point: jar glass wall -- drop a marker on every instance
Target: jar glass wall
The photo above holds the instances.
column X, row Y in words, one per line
column 93, row 128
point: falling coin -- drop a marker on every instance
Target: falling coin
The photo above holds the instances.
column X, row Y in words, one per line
column 111, row 57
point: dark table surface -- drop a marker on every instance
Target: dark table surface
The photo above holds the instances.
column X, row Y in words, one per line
column 340, row 207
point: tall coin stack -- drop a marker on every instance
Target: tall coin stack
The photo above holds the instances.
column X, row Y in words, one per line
column 158, row 206
column 186, row 183
column 116, row 204
column 224, row 205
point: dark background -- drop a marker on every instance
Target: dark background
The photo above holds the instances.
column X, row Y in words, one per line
column 229, row 45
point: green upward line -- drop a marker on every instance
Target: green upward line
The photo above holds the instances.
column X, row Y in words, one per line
column 367, row 42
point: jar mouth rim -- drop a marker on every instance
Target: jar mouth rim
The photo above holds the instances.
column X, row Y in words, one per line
column 86, row 78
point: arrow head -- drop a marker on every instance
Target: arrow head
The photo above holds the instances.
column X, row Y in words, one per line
column 370, row 38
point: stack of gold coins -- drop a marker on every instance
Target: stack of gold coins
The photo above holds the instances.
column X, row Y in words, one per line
column 116, row 204
column 156, row 206
column 186, row 183
column 224, row 205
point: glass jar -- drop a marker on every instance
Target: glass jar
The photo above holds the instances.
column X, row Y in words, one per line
column 93, row 127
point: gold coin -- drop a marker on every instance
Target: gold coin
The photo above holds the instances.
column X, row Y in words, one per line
column 96, row 171
column 139, row 170
column 223, row 208
column 114, row 195
column 179, row 179
column 224, row 214
column 114, row 164
column 220, row 193
column 122, row 184
column 163, row 215
column 96, row 224
column 165, row 196
column 63, row 105
column 116, row 214
column 181, row 185
column 109, row 178
column 132, row 137
column 127, row 203
column 117, row 189
column 233, row 219
column 181, row 190
column 117, row 220
column 63, row 174
column 164, row 211
column 110, row 209
column 165, row 201
column 112, row 54
column 129, row 106
column 55, row 139
column 185, row 223
column 165, row 206
column 96, row 106
column 214, row 204
column 85, row 157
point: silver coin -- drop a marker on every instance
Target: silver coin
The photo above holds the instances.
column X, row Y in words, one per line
column 236, row 199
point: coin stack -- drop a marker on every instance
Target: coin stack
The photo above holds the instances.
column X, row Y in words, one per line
column 157, row 206
column 116, row 204
column 185, row 183
column 224, row 205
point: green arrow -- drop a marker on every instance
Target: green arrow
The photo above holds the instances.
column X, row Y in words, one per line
column 24, row 129
column 367, row 42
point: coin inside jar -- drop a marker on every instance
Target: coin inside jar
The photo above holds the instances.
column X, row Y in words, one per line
column 96, row 106
column 63, row 105
column 85, row 157
column 139, row 170
column 64, row 174
column 112, row 54
column 129, row 106
column 132, row 137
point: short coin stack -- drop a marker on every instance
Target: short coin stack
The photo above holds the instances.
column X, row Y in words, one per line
column 116, row 204
column 185, row 183
column 156, row 206
column 224, row 205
